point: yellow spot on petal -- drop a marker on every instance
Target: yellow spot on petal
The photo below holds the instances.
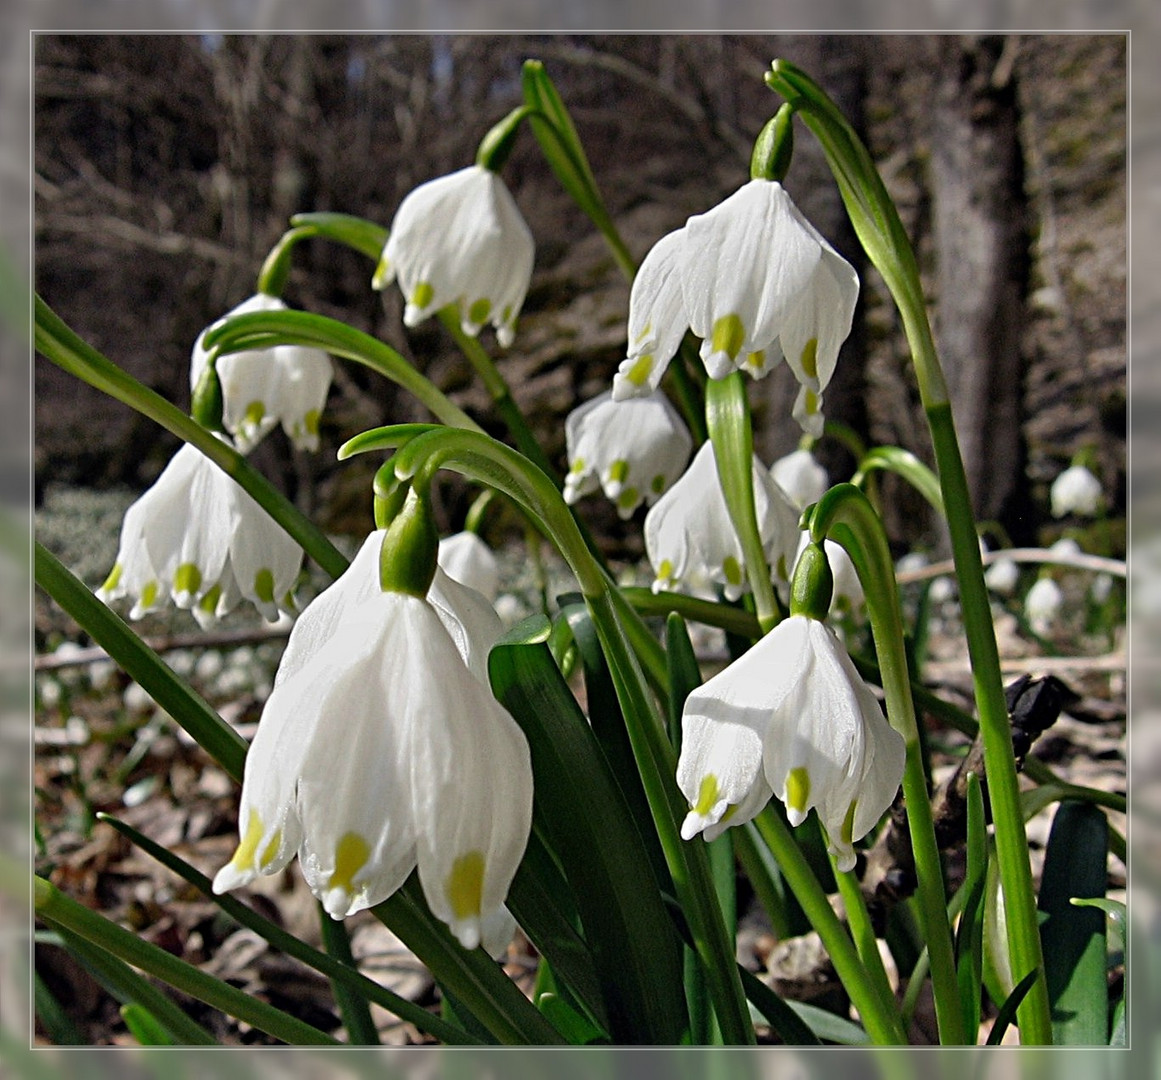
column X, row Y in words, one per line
column 578, row 466
column 252, row 417
column 849, row 823
column 810, row 358
column 732, row 570
column 113, row 578
column 728, row 335
column 264, row 585
column 244, row 857
column 642, row 367
column 644, row 334
column 756, row 359
column 465, row 885
column 658, row 485
column 271, row 849
column 351, row 854
column 665, row 570
column 628, row 498
column 149, row 594
column 506, row 314
column 619, row 471
column 187, row 578
column 422, row 295
column 310, row 421
column 811, row 403
column 480, row 310
column 209, row 602
column 798, row 789
column 707, row 795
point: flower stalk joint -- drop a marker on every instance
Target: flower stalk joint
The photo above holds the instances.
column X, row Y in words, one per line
column 774, row 147
column 407, row 559
column 812, row 586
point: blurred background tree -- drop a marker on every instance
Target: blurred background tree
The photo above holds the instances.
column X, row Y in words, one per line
column 167, row 166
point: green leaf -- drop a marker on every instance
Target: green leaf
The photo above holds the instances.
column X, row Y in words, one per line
column 905, row 464
column 1008, row 1009
column 1073, row 938
column 969, row 938
column 634, row 947
column 141, row 663
column 785, row 1020
column 827, row 1027
column 144, row 1027
column 577, row 1029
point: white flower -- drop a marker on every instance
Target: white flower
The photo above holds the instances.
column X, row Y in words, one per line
column 1002, row 576
column 1042, row 604
column 1075, row 491
column 754, row 280
column 460, row 239
column 632, row 449
column 801, row 477
column 790, row 717
column 465, row 558
column 379, row 750
column 262, row 387
column 690, row 540
column 196, row 537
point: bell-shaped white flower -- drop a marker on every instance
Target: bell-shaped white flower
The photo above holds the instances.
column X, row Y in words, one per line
column 1075, row 491
column 801, row 476
column 261, row 388
column 755, row 281
column 691, row 542
column 1002, row 576
column 381, row 748
column 465, row 558
column 632, row 449
column 460, row 239
column 1043, row 604
column 790, row 717
column 197, row 538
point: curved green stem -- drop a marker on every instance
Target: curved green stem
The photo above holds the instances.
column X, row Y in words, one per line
column 58, row 343
column 730, row 431
column 265, row 329
column 845, row 515
column 882, row 1023
column 882, row 235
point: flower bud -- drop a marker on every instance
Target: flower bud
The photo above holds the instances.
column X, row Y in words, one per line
column 407, row 559
column 813, row 584
column 207, row 403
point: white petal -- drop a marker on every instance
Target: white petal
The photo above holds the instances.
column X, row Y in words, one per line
column 469, row 619
column 304, row 378
column 802, row 478
column 467, row 559
column 262, row 555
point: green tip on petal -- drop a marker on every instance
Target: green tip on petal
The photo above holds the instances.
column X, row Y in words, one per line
column 707, row 795
column 810, row 358
column 728, row 335
column 264, row 585
column 480, row 310
column 732, row 569
column 638, row 374
column 465, row 885
column 113, row 578
column 187, row 579
column 422, row 294
column 351, row 855
column 797, row 789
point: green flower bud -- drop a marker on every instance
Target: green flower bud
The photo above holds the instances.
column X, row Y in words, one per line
column 774, row 147
column 407, row 559
column 207, row 404
column 813, row 584
column 390, row 493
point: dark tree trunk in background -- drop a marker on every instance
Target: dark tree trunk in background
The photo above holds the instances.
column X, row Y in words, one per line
column 980, row 240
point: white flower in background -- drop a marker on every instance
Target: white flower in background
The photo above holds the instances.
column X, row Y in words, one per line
column 1002, row 576
column 632, row 449
column 460, row 239
column 197, row 538
column 465, row 558
column 801, row 477
column 380, row 749
column 1042, row 605
column 1075, row 491
column 263, row 387
column 1065, row 547
column 790, row 717
column 755, row 281
column 1101, row 588
column 690, row 540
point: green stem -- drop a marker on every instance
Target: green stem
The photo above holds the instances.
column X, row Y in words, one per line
column 58, row 343
column 845, row 515
column 730, row 431
column 64, row 913
column 881, row 1022
column 882, row 235
column 353, row 1006
column 867, row 945
column 128, row 986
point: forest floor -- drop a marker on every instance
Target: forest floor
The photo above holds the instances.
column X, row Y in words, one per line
column 101, row 746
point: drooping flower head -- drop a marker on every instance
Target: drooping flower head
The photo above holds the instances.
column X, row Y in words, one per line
column 755, row 281
column 1075, row 491
column 460, row 239
column 381, row 749
column 632, row 449
column 691, row 542
column 261, row 388
column 1043, row 604
column 791, row 717
column 801, row 476
column 196, row 538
